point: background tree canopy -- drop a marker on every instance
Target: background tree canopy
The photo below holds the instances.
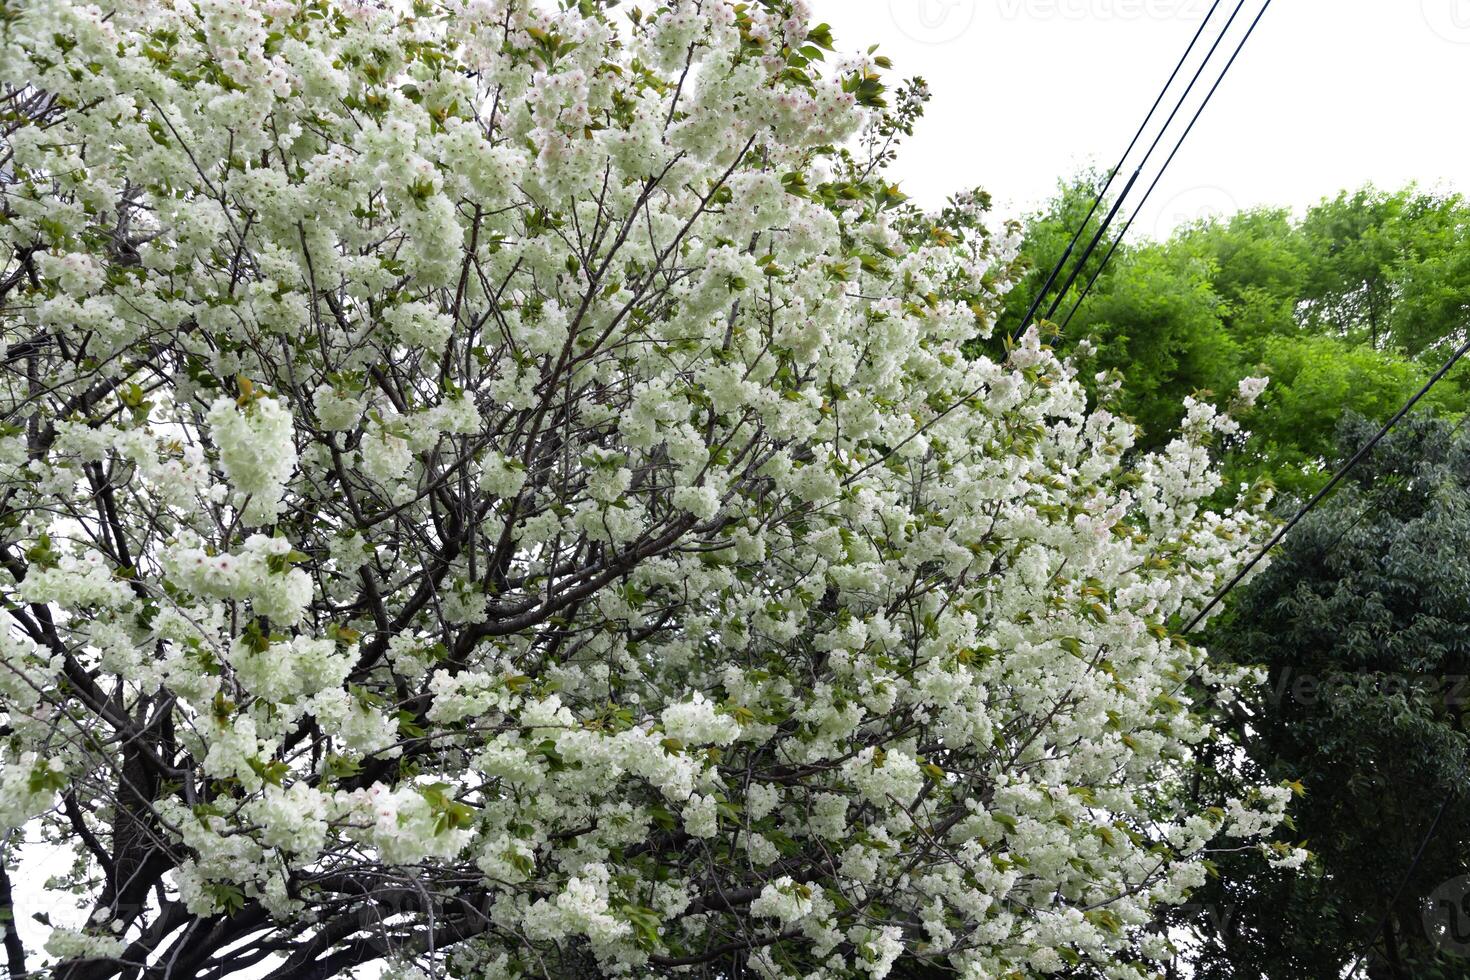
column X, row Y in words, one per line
column 1348, row 309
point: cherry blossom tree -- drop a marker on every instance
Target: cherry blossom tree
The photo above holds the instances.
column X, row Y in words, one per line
column 498, row 489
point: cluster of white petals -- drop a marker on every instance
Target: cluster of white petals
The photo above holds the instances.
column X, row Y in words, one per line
column 511, row 487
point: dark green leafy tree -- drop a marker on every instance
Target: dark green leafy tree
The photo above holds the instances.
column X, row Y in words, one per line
column 1363, row 625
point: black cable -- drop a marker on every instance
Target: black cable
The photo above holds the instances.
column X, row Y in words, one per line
column 1035, row 303
column 1337, row 477
column 1158, row 138
column 1159, row 176
column 1112, row 175
column 1388, row 909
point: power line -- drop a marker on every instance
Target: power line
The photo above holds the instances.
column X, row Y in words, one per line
column 1112, row 174
column 1320, row 495
column 1159, row 176
column 1388, row 909
column 1158, row 138
column 945, row 412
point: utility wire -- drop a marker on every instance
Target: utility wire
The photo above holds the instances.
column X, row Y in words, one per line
column 1388, row 909
column 1158, row 138
column 1157, row 177
column 945, row 412
column 1320, row 495
column 1117, row 169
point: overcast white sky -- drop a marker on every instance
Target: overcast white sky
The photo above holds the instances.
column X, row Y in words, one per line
column 1327, row 94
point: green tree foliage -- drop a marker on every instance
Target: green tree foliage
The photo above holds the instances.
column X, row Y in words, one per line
column 1363, row 624
column 1259, row 264
column 1348, row 309
column 1390, row 269
column 1159, row 323
column 1314, row 380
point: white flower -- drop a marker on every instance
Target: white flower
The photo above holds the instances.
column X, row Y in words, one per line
column 419, row 325
column 698, row 722
column 701, row 816
column 785, row 900
column 643, row 531
column 257, row 453
column 703, row 502
column 336, row 410
column 27, row 787
column 67, row 944
column 1250, row 389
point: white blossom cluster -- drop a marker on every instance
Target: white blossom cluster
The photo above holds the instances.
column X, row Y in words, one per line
column 513, row 486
